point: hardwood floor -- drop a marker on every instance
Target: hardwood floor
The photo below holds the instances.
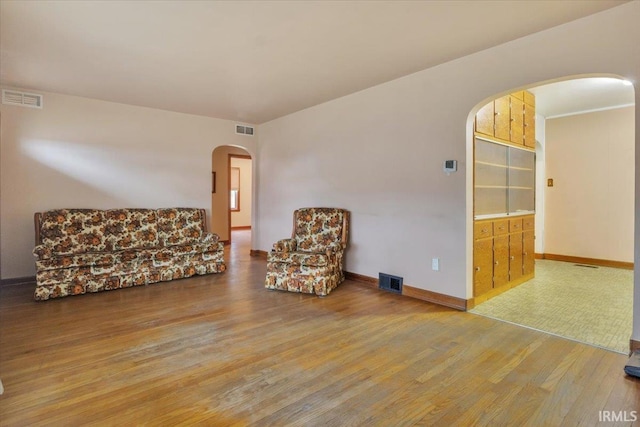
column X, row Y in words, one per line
column 221, row 350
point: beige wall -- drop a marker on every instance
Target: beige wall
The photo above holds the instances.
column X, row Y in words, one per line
column 220, row 200
column 589, row 210
column 379, row 152
column 79, row 152
column 242, row 218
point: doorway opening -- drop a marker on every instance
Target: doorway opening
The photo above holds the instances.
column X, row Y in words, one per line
column 584, row 215
column 232, row 193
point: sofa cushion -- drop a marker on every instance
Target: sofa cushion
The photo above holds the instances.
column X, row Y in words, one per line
column 71, row 231
column 130, row 229
column 79, row 260
column 178, row 226
column 298, row 258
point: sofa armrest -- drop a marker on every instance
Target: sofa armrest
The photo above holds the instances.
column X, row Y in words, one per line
column 210, row 238
column 43, row 252
column 285, row 245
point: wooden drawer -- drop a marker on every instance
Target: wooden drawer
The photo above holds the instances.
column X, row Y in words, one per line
column 528, row 222
column 482, row 229
column 500, row 226
column 515, row 225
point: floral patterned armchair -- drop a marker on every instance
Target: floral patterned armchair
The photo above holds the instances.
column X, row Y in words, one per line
column 311, row 260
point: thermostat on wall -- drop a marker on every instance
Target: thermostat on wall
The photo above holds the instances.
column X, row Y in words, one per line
column 450, row 166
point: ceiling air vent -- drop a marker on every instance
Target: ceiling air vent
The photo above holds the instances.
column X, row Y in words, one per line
column 23, row 99
column 244, row 130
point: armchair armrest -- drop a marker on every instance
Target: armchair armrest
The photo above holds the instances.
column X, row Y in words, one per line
column 285, row 245
column 334, row 248
column 43, row 252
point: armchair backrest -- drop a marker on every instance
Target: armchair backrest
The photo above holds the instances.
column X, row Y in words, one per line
column 314, row 229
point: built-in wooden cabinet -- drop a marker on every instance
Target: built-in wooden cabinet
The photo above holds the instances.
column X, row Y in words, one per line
column 503, row 254
column 510, row 119
column 504, row 194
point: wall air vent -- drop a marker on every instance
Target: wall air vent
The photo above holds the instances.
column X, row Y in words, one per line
column 390, row 283
column 244, row 130
column 23, row 99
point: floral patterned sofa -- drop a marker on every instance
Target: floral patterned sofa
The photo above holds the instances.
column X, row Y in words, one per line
column 311, row 261
column 90, row 250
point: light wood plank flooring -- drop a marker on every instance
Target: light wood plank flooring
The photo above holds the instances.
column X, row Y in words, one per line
column 221, row 350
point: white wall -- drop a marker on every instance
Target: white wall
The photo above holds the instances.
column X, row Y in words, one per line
column 379, row 152
column 79, row 152
column 589, row 210
column 242, row 218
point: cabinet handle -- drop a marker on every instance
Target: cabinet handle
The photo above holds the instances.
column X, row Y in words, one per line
column 496, row 262
column 477, row 268
column 525, row 253
column 513, row 257
column 484, row 230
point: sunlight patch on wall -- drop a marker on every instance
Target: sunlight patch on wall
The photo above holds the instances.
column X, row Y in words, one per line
column 128, row 174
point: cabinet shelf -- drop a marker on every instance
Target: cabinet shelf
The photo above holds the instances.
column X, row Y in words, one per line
column 504, row 179
column 497, row 165
column 520, row 169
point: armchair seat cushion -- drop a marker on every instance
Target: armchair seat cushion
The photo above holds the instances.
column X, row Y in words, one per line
column 299, row 258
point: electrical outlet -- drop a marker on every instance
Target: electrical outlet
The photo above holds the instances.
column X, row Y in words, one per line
column 435, row 264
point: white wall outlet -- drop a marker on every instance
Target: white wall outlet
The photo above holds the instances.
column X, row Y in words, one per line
column 435, row 264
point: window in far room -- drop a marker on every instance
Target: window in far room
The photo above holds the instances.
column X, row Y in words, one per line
column 234, row 196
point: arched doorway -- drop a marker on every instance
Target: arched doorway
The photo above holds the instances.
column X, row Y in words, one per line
column 584, row 165
column 232, row 191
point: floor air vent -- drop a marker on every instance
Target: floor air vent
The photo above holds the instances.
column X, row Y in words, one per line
column 585, row 265
column 390, row 283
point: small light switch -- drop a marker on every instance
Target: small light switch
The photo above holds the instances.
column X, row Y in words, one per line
column 435, row 264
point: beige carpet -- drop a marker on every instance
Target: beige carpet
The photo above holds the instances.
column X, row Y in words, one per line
column 590, row 305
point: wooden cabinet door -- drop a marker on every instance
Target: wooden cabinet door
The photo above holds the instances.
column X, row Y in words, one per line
column 482, row 266
column 502, row 117
column 529, row 98
column 515, row 256
column 528, row 252
column 500, row 260
column 529, row 126
column 517, row 120
column 484, row 119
